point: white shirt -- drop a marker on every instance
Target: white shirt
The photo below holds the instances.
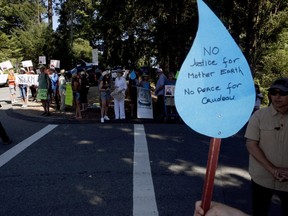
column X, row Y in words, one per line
column 120, row 83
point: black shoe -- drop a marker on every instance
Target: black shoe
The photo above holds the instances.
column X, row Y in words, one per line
column 43, row 114
column 48, row 114
column 8, row 142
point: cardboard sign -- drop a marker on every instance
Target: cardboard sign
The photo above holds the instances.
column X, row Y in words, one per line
column 169, row 90
column 27, row 64
column 144, row 103
column 3, row 78
column 42, row 60
column 55, row 63
column 28, row 79
column 6, row 65
column 214, row 92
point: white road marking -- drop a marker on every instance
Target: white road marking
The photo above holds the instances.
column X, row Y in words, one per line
column 11, row 153
column 144, row 202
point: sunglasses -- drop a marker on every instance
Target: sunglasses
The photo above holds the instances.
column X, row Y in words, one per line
column 275, row 92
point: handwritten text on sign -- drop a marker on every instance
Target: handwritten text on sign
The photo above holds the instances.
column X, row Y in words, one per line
column 227, row 67
column 29, row 79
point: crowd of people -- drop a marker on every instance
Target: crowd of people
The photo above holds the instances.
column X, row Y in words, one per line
column 51, row 89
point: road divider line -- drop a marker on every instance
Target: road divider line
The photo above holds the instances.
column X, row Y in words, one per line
column 144, row 201
column 11, row 153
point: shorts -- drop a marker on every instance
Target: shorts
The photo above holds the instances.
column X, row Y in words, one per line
column 105, row 96
column 12, row 89
column 76, row 96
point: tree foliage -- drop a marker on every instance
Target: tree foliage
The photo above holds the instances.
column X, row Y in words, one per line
column 130, row 33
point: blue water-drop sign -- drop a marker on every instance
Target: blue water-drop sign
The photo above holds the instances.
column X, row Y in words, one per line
column 214, row 93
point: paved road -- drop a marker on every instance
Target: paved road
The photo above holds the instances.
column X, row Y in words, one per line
column 114, row 169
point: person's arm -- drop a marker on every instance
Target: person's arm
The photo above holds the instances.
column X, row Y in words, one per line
column 101, row 86
column 217, row 209
column 254, row 150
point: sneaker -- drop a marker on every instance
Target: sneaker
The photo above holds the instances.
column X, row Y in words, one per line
column 102, row 120
column 24, row 105
column 106, row 118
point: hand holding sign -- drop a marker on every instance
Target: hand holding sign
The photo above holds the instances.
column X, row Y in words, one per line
column 214, row 92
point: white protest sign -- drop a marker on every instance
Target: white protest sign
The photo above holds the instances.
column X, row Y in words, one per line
column 55, row 63
column 42, row 60
column 6, row 65
column 28, row 79
column 27, row 63
column 214, row 92
column 3, row 78
column 169, row 90
column 144, row 103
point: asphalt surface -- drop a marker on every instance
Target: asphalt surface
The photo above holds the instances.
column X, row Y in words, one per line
column 48, row 173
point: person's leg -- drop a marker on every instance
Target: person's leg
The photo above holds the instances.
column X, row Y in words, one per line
column 56, row 98
column 103, row 108
column 116, row 108
column 107, row 102
column 5, row 138
column 44, row 107
column 62, row 101
column 78, row 109
column 47, row 105
column 122, row 109
column 160, row 106
column 261, row 199
column 284, row 202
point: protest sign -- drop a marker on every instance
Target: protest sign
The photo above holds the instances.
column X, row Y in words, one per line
column 55, row 63
column 6, row 65
column 42, row 60
column 169, row 90
column 28, row 79
column 3, row 78
column 214, row 92
column 27, row 64
column 144, row 103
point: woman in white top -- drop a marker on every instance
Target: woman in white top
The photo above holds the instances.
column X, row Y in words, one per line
column 119, row 95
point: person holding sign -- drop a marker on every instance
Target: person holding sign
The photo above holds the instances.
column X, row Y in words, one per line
column 54, row 87
column 267, row 144
column 62, row 89
column 119, row 95
column 43, row 87
column 76, row 86
column 23, row 90
column 160, row 88
column 104, row 89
